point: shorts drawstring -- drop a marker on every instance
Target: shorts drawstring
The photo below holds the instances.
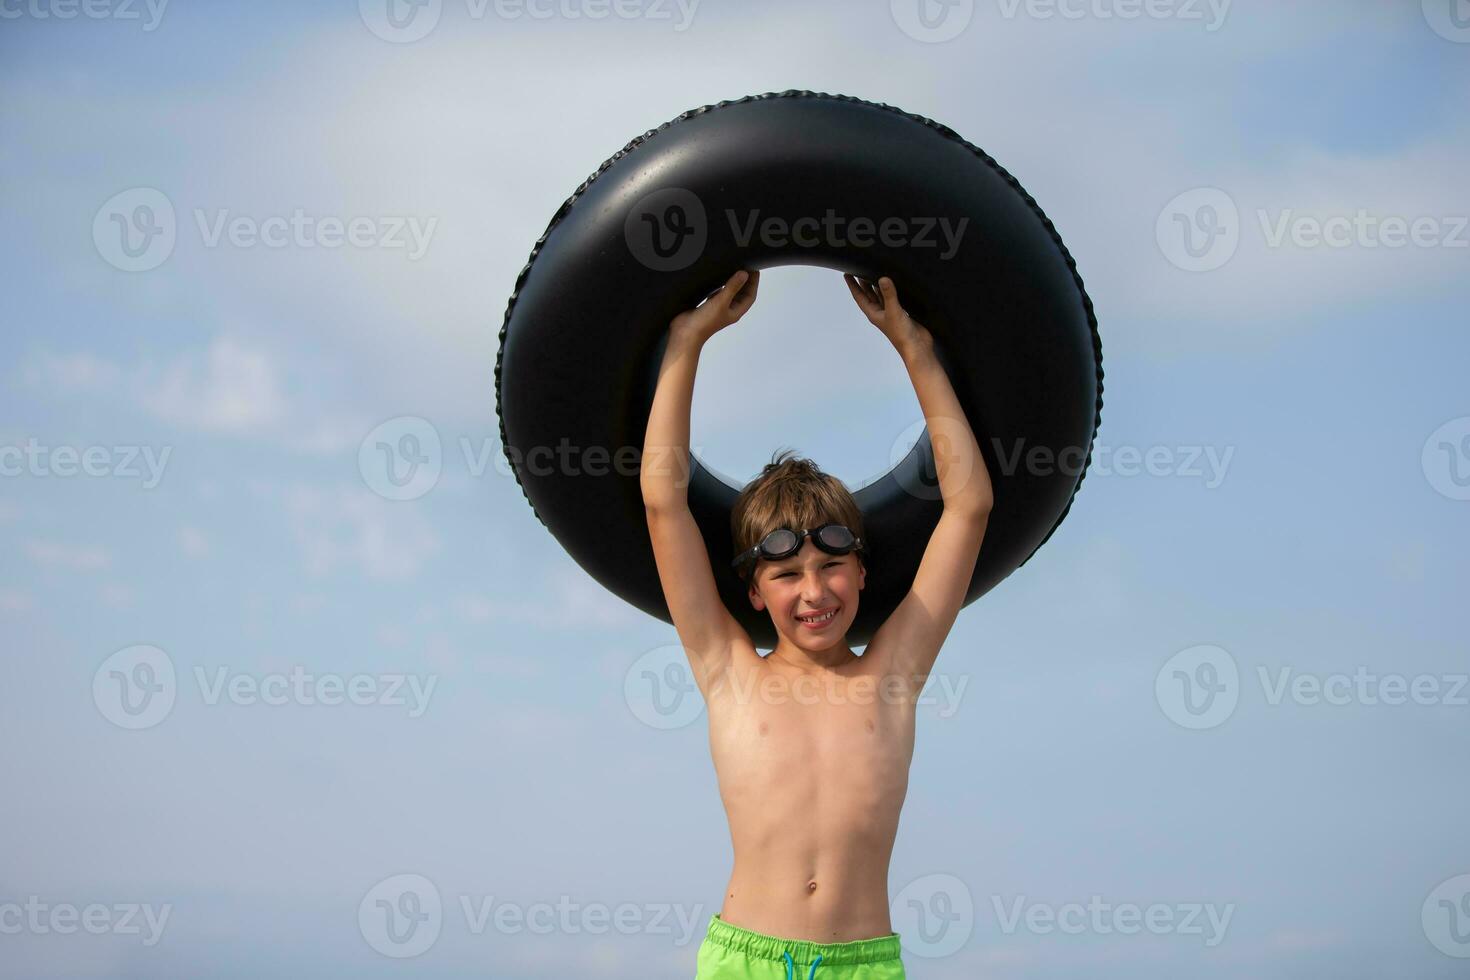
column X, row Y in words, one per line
column 790, row 966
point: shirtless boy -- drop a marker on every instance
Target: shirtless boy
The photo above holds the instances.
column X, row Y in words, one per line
column 812, row 743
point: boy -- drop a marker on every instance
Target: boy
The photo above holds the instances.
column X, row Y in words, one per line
column 811, row 744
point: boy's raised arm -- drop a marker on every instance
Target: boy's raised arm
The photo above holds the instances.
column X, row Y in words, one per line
column 664, row 469
column 706, row 628
column 916, row 629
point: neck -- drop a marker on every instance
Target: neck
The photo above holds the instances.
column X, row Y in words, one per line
column 788, row 653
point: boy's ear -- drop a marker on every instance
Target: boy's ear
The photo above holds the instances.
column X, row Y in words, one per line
column 755, row 597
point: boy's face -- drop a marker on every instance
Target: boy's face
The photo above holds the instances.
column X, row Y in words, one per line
column 809, row 582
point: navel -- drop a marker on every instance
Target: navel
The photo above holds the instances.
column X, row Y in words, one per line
column 764, row 728
column 811, row 886
column 870, row 724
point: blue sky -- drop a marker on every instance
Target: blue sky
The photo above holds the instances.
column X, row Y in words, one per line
column 1330, row 544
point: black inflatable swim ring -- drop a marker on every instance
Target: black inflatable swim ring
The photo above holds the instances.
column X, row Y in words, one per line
column 647, row 236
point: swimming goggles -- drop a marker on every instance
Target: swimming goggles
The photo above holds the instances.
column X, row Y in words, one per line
column 833, row 538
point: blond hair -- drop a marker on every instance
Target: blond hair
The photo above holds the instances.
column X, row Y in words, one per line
column 790, row 492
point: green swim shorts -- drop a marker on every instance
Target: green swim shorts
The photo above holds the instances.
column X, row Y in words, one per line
column 732, row 953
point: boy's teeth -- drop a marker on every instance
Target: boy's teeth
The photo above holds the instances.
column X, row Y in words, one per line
column 817, row 619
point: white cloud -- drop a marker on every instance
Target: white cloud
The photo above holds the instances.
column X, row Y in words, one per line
column 68, row 557
column 81, row 372
column 1406, row 561
column 350, row 527
column 115, row 595
column 16, row 601
column 573, row 600
column 192, row 542
column 1306, row 939
column 232, row 388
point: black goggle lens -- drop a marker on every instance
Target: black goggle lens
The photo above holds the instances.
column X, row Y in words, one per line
column 836, row 536
column 780, row 542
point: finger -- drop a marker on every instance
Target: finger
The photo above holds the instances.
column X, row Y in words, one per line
column 746, row 297
column 866, row 299
column 746, row 292
column 874, row 294
column 859, row 296
column 889, row 291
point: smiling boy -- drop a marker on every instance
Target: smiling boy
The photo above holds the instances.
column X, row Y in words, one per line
column 812, row 743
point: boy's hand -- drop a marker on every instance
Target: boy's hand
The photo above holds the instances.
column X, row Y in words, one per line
column 720, row 308
column 880, row 305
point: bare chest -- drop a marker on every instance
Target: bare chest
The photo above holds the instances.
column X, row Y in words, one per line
column 851, row 733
